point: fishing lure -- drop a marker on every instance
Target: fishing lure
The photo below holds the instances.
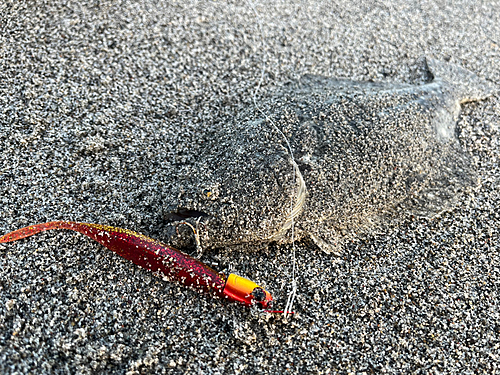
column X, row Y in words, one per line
column 160, row 259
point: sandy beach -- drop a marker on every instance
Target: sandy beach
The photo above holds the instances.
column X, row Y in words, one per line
column 104, row 105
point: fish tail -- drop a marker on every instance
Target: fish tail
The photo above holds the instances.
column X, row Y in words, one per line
column 468, row 86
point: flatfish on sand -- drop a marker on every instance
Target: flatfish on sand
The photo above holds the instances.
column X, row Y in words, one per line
column 367, row 153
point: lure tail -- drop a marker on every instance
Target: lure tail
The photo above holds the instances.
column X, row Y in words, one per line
column 34, row 229
column 121, row 241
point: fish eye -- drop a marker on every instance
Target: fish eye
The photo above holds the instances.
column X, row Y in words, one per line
column 259, row 294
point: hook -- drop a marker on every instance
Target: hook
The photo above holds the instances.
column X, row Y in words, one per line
column 199, row 249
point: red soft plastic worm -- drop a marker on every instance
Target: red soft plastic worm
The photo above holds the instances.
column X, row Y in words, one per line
column 160, row 259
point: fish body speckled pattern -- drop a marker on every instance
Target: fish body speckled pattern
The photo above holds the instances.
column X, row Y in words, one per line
column 370, row 153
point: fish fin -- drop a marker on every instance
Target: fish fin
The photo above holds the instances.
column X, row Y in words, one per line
column 442, row 193
column 468, row 86
column 332, row 246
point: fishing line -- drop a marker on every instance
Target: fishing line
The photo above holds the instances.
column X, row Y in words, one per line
column 294, row 209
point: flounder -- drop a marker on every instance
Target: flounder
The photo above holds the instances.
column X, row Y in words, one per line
column 366, row 153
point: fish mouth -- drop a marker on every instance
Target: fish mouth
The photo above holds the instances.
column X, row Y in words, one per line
column 297, row 207
column 183, row 214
